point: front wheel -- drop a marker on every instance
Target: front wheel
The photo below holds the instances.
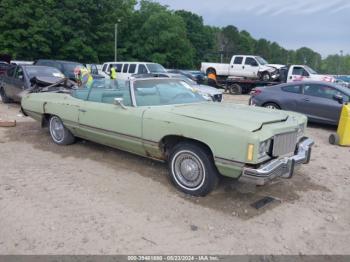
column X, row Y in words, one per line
column 59, row 133
column 192, row 169
column 265, row 76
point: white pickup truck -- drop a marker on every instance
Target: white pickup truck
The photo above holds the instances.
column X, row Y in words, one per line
column 303, row 73
column 243, row 84
column 247, row 66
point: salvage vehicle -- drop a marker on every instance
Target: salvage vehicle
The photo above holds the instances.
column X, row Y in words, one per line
column 21, row 77
column 126, row 69
column 68, row 68
column 320, row 101
column 164, row 119
column 252, row 67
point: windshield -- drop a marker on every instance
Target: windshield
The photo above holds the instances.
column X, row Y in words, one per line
column 310, row 70
column 261, row 60
column 43, row 71
column 156, row 92
column 156, row 68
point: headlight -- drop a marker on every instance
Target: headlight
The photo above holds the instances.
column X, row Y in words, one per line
column 301, row 130
column 264, row 148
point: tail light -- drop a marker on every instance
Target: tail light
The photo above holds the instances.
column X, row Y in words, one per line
column 255, row 92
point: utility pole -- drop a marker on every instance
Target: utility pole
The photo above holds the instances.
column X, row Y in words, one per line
column 341, row 61
column 116, row 40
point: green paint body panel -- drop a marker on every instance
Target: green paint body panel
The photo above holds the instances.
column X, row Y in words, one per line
column 225, row 128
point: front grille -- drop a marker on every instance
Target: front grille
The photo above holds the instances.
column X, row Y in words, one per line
column 284, row 144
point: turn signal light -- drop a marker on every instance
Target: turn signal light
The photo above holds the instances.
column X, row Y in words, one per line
column 250, row 154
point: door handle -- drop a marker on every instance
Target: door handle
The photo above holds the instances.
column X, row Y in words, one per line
column 82, row 110
column 232, row 66
column 243, row 67
column 306, row 99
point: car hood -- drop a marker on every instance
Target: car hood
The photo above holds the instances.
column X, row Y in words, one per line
column 278, row 66
column 239, row 116
column 268, row 68
column 44, row 80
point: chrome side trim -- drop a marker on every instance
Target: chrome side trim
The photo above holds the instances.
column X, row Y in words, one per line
column 224, row 161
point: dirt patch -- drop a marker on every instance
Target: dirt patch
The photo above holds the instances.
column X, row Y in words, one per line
column 91, row 199
column 231, row 197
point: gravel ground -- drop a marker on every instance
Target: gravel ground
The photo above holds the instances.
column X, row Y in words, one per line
column 91, row 199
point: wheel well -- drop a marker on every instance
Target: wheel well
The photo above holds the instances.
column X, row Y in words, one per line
column 168, row 142
column 45, row 120
column 211, row 69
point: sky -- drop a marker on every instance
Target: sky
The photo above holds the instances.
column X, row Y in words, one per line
column 322, row 25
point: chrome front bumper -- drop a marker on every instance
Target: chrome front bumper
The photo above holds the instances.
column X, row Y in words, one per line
column 283, row 167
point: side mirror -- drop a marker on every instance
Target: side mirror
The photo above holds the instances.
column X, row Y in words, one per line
column 339, row 98
column 119, row 102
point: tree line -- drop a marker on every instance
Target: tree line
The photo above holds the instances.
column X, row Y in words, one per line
column 83, row 30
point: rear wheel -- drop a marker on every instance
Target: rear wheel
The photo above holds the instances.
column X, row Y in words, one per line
column 192, row 169
column 59, row 133
column 272, row 106
column 5, row 99
column 235, row 89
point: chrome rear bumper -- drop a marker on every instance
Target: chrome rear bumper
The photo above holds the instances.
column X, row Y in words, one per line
column 283, row 167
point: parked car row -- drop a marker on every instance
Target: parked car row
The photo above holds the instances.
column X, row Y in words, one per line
column 125, row 70
column 10, row 91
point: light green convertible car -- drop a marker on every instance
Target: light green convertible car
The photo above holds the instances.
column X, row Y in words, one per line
column 165, row 119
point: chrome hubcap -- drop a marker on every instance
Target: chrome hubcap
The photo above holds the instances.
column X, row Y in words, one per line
column 57, row 129
column 188, row 170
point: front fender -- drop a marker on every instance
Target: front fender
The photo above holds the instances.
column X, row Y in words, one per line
column 225, row 142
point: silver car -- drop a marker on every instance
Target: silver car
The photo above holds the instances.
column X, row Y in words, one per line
column 320, row 101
